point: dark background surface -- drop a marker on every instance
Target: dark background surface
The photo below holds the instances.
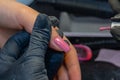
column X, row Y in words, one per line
column 99, row 8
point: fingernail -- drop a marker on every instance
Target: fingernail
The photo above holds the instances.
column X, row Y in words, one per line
column 61, row 34
column 61, row 44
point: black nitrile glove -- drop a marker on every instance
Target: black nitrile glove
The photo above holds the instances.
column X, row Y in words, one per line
column 115, row 27
column 29, row 65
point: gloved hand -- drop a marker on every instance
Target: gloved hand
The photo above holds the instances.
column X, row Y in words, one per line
column 29, row 65
column 115, row 4
column 115, row 27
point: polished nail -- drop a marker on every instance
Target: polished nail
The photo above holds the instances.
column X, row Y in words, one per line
column 62, row 44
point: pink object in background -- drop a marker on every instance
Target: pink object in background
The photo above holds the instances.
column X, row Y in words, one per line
column 84, row 52
column 104, row 28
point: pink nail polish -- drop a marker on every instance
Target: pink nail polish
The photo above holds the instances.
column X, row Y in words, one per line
column 61, row 44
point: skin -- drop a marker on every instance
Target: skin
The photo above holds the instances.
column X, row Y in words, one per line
column 16, row 16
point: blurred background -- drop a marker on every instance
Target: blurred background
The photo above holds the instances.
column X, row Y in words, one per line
column 78, row 17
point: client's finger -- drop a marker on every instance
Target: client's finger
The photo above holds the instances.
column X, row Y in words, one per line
column 62, row 73
column 71, row 62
